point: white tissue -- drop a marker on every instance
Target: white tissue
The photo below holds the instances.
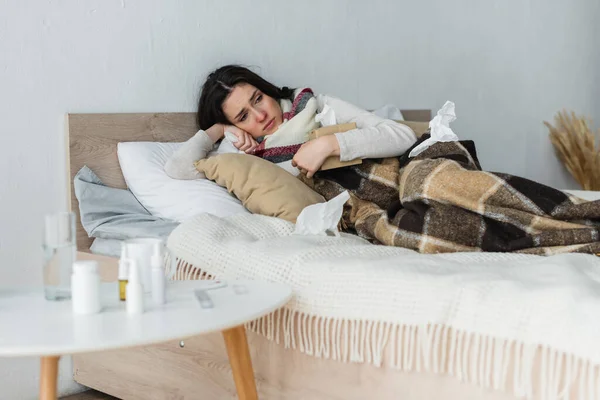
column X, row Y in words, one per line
column 231, row 138
column 389, row 111
column 326, row 117
column 318, row 219
column 439, row 129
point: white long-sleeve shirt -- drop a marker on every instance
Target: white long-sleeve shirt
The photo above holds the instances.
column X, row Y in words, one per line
column 374, row 137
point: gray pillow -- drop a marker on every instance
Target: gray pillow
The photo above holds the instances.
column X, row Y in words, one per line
column 111, row 213
column 107, row 247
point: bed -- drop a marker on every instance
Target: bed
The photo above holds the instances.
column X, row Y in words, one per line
column 198, row 367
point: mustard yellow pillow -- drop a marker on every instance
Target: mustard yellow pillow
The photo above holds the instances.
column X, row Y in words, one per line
column 263, row 187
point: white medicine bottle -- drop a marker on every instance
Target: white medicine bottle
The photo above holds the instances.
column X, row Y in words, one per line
column 85, row 287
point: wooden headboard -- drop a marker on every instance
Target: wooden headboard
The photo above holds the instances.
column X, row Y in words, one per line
column 93, row 139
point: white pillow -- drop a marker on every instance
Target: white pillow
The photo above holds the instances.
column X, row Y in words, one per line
column 143, row 164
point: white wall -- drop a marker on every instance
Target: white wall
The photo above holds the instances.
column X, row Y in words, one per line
column 508, row 65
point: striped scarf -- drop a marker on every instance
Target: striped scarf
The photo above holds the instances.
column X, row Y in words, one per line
column 298, row 122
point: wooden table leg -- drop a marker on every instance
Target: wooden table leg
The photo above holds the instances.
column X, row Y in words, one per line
column 241, row 364
column 48, row 377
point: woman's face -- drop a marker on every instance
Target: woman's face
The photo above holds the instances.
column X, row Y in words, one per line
column 252, row 111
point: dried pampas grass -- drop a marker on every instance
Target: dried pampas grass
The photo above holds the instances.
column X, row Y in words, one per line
column 577, row 148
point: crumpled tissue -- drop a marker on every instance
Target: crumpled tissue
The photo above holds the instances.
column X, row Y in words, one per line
column 231, row 138
column 326, row 117
column 319, row 219
column 439, row 129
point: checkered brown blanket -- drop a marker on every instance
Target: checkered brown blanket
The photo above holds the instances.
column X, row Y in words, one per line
column 442, row 201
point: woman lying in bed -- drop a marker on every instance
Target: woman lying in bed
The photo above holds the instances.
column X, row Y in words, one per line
column 437, row 201
column 235, row 99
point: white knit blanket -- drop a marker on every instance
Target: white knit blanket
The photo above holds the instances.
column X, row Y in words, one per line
column 553, row 302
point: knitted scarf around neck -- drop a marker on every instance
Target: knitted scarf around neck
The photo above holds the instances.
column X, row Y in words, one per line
column 298, row 122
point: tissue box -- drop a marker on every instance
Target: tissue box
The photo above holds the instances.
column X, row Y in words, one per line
column 334, row 161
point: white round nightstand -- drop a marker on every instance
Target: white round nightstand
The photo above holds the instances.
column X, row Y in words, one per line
column 32, row 326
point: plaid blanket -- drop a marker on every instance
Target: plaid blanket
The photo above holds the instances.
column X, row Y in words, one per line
column 442, row 201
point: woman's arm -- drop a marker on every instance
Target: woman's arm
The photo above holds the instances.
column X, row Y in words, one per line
column 375, row 137
column 181, row 163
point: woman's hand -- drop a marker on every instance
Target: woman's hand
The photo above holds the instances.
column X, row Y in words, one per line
column 312, row 154
column 245, row 142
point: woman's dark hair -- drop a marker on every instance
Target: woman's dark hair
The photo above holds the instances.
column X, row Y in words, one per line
column 220, row 83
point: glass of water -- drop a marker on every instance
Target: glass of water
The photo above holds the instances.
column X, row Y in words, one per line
column 60, row 249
